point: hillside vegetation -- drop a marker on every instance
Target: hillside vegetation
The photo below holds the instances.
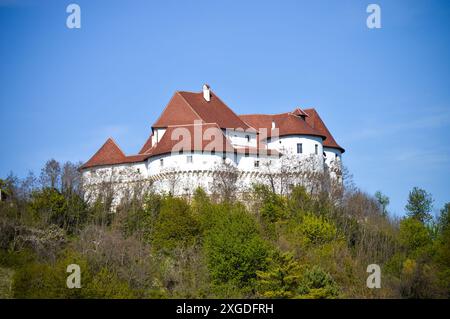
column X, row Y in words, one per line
column 264, row 245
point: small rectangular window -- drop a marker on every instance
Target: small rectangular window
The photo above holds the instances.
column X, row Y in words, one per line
column 161, row 162
column 256, row 163
column 316, row 149
column 189, row 158
column 299, row 148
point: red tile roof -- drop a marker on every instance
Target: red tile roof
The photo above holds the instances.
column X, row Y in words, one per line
column 182, row 137
column 185, row 107
column 316, row 122
column 299, row 112
column 287, row 124
column 111, row 154
column 211, row 138
column 147, row 145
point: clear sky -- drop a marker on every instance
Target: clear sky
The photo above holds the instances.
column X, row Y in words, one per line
column 383, row 93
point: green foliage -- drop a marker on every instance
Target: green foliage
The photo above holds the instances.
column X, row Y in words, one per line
column 15, row 259
column 234, row 248
column 49, row 204
column 272, row 208
column 282, row 278
column 444, row 218
column 299, row 200
column 106, row 285
column 313, row 230
column 6, row 275
column 175, row 225
column 383, row 200
column 419, row 205
column 414, row 236
column 300, row 245
column 286, row 278
column 140, row 219
column 318, row 284
column 66, row 211
column 41, row 280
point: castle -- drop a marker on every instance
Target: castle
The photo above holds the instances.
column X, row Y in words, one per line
column 198, row 139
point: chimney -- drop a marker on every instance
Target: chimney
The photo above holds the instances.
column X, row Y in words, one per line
column 206, row 92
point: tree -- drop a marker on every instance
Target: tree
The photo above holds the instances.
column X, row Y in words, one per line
column 175, row 225
column 420, row 204
column 49, row 205
column 383, row 200
column 281, row 279
column 234, row 248
column 225, row 181
column 51, row 174
column 3, row 190
column 70, row 178
column 414, row 236
column 444, row 218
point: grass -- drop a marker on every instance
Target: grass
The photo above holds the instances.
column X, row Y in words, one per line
column 6, row 275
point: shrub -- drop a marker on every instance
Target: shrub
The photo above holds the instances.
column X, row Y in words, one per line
column 234, row 248
column 175, row 225
column 318, row 284
column 414, row 236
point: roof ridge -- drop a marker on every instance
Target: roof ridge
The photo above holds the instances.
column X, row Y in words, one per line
column 170, row 101
column 117, row 145
column 184, row 99
column 203, row 123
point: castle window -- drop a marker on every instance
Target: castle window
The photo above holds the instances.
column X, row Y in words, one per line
column 161, row 162
column 316, row 150
column 299, row 148
column 189, row 159
column 256, row 163
column 247, row 137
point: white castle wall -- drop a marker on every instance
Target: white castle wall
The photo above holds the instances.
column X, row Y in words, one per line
column 181, row 177
column 290, row 142
column 239, row 137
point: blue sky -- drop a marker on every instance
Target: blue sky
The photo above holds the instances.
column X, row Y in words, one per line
column 384, row 93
